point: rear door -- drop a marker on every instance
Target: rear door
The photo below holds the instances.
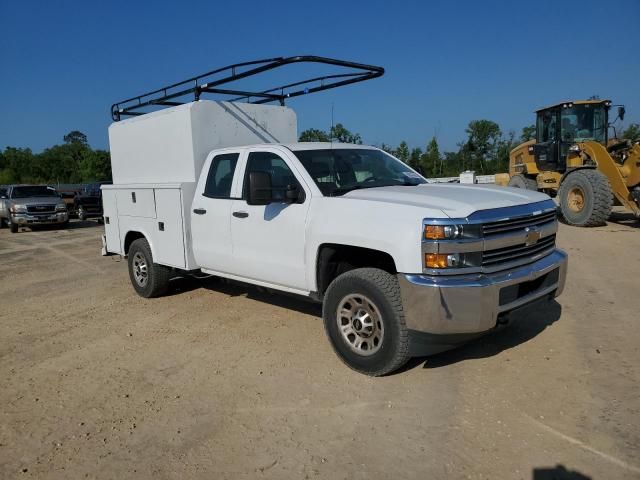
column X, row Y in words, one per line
column 269, row 240
column 211, row 212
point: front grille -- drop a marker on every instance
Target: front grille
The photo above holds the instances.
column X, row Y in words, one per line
column 519, row 223
column 512, row 253
column 41, row 208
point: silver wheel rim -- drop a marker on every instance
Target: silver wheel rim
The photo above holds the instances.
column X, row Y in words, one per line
column 360, row 324
column 140, row 271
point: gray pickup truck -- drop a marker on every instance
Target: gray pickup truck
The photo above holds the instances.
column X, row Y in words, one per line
column 30, row 205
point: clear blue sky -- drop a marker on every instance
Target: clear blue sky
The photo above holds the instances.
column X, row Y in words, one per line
column 62, row 63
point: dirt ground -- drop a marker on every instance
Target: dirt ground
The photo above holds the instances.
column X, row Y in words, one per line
column 220, row 380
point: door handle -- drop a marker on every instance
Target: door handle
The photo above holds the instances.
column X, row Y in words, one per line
column 240, row 214
column 199, row 211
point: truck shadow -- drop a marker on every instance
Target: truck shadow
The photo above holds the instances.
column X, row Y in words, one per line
column 232, row 288
column 523, row 325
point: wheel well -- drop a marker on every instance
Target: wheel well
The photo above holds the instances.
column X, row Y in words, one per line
column 569, row 171
column 335, row 259
column 130, row 238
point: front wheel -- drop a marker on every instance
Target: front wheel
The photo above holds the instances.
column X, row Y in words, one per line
column 82, row 215
column 364, row 321
column 148, row 279
column 585, row 198
column 12, row 226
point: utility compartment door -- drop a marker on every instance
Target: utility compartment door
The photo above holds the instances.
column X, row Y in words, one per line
column 111, row 224
column 168, row 238
column 136, row 202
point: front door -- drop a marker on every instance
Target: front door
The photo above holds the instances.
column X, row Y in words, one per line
column 268, row 240
column 211, row 213
column 546, row 148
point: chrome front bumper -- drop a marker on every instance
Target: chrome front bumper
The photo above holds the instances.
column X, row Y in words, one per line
column 27, row 219
column 468, row 305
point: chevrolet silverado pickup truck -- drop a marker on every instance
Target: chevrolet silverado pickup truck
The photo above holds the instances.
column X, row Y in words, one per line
column 32, row 205
column 402, row 267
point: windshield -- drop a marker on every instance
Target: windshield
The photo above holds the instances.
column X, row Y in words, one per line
column 338, row 171
column 33, row 191
column 584, row 122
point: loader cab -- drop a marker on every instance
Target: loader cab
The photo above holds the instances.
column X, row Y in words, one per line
column 562, row 125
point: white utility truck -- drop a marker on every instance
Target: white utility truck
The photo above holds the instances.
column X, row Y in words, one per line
column 403, row 268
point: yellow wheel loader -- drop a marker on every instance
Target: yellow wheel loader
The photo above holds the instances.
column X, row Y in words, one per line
column 573, row 158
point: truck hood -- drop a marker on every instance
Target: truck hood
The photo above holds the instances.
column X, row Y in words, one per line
column 37, row 201
column 456, row 201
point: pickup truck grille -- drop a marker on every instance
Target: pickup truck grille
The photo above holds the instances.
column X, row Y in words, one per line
column 512, row 253
column 514, row 224
column 41, row 208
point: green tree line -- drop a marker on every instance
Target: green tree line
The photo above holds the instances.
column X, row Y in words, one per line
column 74, row 161
column 485, row 149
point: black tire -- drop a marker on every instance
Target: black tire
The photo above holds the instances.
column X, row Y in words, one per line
column 520, row 181
column 594, row 208
column 383, row 291
column 157, row 276
column 81, row 213
column 12, row 226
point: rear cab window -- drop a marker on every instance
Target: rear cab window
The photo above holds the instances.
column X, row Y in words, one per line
column 220, row 176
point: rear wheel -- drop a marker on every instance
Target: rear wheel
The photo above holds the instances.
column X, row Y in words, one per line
column 82, row 215
column 585, row 198
column 148, row 279
column 520, row 181
column 364, row 321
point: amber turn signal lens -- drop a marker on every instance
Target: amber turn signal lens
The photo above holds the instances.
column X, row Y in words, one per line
column 434, row 232
column 435, row 260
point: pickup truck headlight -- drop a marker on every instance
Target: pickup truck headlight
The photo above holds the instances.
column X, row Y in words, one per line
column 442, row 232
column 61, row 207
column 17, row 208
column 451, row 245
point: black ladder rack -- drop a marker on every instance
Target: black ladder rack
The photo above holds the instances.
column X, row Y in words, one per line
column 181, row 92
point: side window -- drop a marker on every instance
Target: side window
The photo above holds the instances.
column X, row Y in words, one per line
column 546, row 127
column 281, row 174
column 220, row 175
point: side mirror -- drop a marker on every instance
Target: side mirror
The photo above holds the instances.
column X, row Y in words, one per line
column 621, row 112
column 259, row 191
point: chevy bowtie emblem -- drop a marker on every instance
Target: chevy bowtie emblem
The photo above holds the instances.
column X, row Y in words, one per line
column 532, row 236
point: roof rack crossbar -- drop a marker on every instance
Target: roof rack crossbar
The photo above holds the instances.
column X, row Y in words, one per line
column 197, row 85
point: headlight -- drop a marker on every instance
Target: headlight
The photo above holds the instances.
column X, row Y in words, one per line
column 16, row 208
column 442, row 232
column 61, row 207
column 451, row 245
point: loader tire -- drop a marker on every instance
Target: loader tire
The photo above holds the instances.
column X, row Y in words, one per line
column 148, row 279
column 520, row 181
column 585, row 198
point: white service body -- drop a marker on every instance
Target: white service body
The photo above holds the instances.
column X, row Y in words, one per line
column 156, row 160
